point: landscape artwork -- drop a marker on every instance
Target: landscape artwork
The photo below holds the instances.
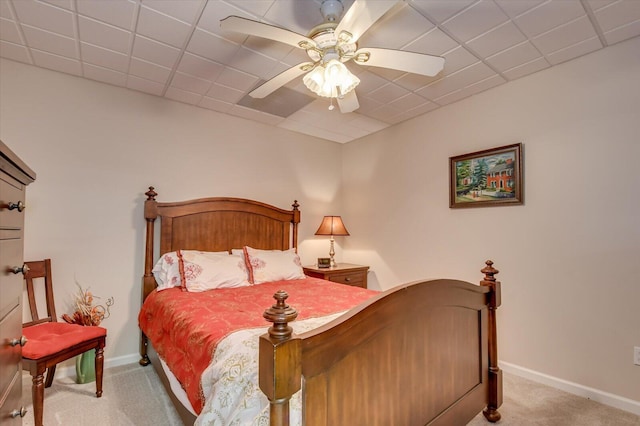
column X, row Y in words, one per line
column 491, row 177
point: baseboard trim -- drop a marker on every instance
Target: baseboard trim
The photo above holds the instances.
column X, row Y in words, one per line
column 602, row 397
column 70, row 371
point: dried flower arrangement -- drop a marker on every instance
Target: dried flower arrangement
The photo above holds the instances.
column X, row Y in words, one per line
column 85, row 312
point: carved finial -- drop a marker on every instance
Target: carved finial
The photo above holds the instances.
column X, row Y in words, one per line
column 489, row 271
column 295, row 205
column 151, row 194
column 280, row 315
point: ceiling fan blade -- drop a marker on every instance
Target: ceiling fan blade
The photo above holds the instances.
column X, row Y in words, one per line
column 349, row 102
column 361, row 15
column 280, row 80
column 417, row 63
column 260, row 29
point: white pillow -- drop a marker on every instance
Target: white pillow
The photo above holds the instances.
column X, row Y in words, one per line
column 201, row 270
column 272, row 265
column 206, row 270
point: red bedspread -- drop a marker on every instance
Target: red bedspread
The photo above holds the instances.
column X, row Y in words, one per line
column 185, row 328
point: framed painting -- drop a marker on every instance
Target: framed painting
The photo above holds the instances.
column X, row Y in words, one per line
column 492, row 177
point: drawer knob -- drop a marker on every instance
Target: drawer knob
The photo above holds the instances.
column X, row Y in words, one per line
column 15, row 342
column 20, row 269
column 19, row 206
column 21, row 412
column 347, row 279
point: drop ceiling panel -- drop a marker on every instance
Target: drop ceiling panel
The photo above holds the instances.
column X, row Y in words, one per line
column 104, row 35
column 9, row 31
column 475, row 20
column 497, row 39
column 514, row 56
column 526, row 69
column 56, row 62
column 440, row 10
column 200, row 67
column 401, row 26
column 617, row 14
column 190, row 83
column 237, row 79
column 575, row 50
column 456, row 81
column 215, row 104
column 183, row 96
column 162, row 28
column 104, row 75
column 622, row 33
column 145, row 85
column 565, row 35
column 254, row 63
column 515, row 8
column 184, row 10
column 435, row 42
column 121, row 13
column 211, row 46
column 45, row 16
column 155, row 52
column 153, row 72
column 50, row 42
column 388, row 93
column 105, row 58
column 176, row 49
column 14, row 52
column 225, row 93
column 549, row 15
column 5, row 11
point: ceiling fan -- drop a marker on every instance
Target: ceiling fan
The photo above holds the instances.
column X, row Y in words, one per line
column 330, row 45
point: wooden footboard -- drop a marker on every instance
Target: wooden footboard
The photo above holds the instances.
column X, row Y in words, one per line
column 422, row 353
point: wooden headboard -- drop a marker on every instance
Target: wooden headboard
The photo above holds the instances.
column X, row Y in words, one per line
column 215, row 224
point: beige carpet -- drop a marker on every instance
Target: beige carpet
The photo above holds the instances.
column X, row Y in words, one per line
column 134, row 396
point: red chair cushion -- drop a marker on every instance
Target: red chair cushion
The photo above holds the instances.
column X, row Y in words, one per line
column 52, row 337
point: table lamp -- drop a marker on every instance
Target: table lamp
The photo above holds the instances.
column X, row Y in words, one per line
column 333, row 226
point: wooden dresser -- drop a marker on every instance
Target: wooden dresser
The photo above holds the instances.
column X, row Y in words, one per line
column 14, row 178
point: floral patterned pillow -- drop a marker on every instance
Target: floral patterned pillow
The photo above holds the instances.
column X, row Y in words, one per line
column 197, row 271
column 166, row 271
column 272, row 265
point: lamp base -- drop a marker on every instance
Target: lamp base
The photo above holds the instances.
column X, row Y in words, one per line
column 332, row 252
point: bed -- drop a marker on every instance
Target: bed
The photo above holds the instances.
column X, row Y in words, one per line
column 420, row 353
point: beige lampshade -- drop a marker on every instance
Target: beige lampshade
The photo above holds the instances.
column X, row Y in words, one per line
column 332, row 225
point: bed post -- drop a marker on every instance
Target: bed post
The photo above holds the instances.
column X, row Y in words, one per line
column 491, row 413
column 148, row 282
column 279, row 360
column 294, row 222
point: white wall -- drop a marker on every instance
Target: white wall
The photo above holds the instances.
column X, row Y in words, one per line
column 96, row 149
column 569, row 258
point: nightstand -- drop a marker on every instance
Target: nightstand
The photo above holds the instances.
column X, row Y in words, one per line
column 343, row 273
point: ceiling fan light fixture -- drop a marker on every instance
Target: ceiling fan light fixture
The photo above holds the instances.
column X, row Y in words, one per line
column 332, row 80
column 331, row 10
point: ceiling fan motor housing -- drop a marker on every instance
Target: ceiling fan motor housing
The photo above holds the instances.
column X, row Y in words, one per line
column 327, row 43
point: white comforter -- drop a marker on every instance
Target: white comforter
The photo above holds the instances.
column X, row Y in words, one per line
column 230, row 383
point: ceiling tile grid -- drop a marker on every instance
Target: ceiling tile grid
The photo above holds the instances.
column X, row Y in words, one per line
column 177, row 50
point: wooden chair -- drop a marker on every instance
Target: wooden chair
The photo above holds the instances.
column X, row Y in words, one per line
column 49, row 342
